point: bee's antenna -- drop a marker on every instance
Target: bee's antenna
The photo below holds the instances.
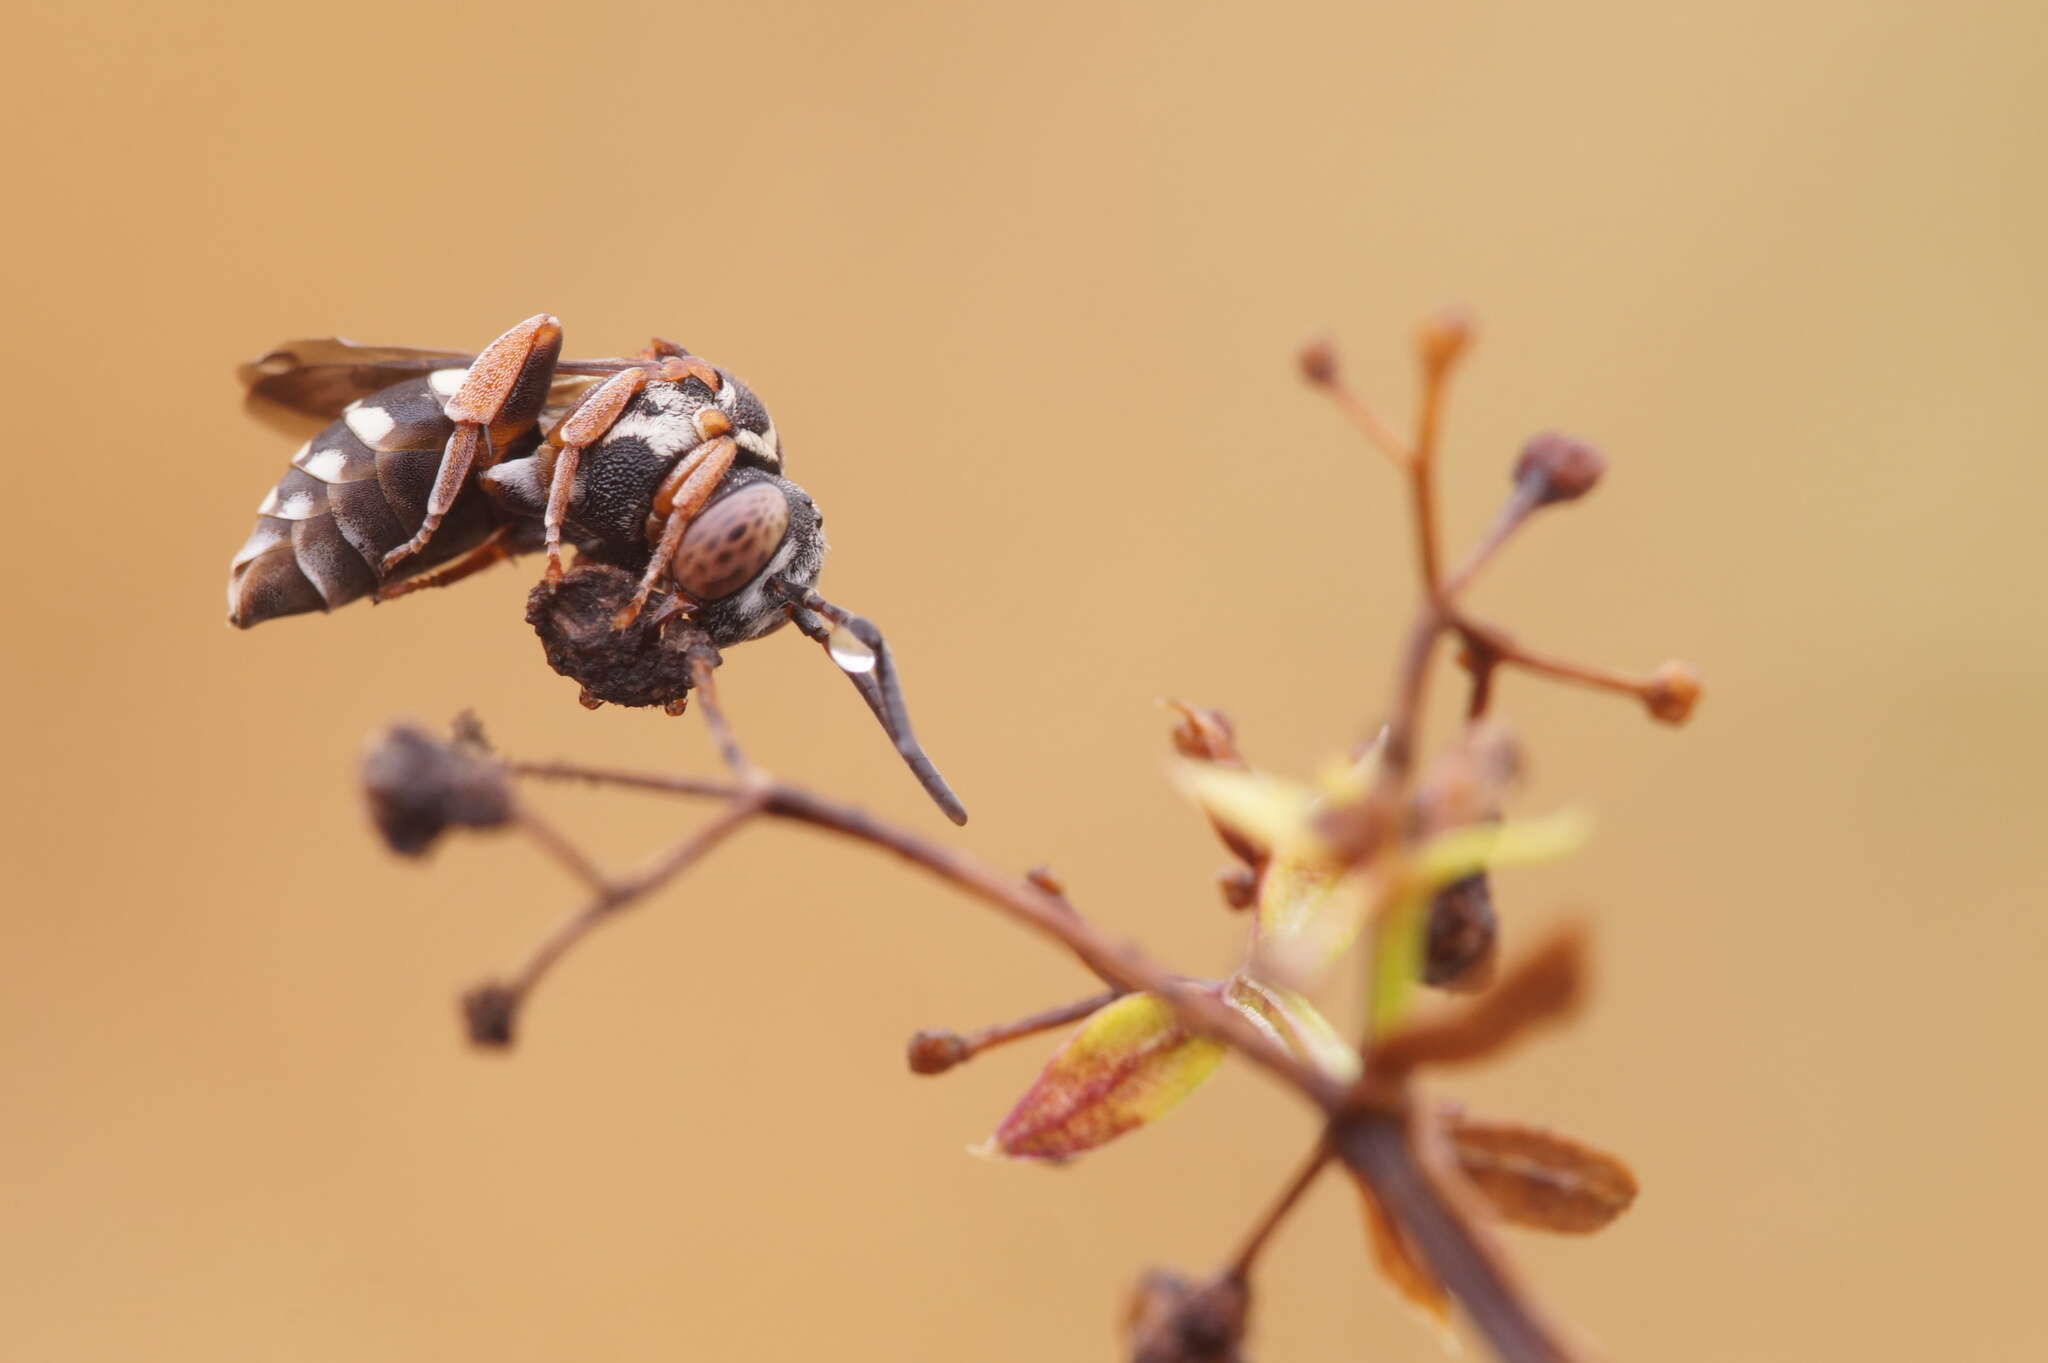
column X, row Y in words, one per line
column 872, row 670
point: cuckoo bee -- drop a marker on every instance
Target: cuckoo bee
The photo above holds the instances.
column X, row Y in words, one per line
column 436, row 464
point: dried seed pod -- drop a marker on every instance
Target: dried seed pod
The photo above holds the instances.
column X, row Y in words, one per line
column 417, row 785
column 641, row 664
column 1463, row 935
column 1171, row 1320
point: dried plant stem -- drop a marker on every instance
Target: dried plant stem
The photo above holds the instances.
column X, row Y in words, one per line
column 999, row 1033
column 1376, row 1146
column 566, row 854
column 1240, row 1265
column 612, row 896
column 1503, row 648
column 1511, row 517
column 1018, row 900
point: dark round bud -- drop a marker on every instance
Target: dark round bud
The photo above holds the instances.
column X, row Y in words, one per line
column 1172, row 1320
column 936, row 1052
column 1318, row 360
column 488, row 1011
column 1558, row 468
column 417, row 786
column 1462, row 935
column 1672, row 692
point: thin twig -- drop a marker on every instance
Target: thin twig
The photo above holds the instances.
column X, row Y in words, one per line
column 1375, row 1146
column 567, row 854
column 1240, row 1265
column 1036, row 1023
column 619, row 895
column 1119, row 966
column 1510, row 653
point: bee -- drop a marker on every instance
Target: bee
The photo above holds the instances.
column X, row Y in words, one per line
column 435, row 465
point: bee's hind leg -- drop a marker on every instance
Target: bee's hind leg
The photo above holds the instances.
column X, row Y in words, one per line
column 500, row 396
column 494, row 549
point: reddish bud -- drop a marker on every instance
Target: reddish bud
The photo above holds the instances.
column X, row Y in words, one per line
column 1204, row 735
column 1443, row 338
column 936, row 1052
column 1318, row 361
column 1672, row 692
column 1240, row 886
column 1558, row 468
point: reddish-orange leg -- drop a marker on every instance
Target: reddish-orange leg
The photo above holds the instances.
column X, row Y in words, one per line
column 491, row 551
column 491, row 378
column 681, row 496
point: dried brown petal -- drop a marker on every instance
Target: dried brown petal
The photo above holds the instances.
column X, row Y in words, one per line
column 1543, row 986
column 1399, row 1264
column 1536, row 1178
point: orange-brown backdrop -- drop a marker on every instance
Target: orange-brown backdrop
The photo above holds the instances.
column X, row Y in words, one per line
column 1022, row 284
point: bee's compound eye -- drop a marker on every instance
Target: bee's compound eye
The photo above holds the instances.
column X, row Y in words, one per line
column 729, row 544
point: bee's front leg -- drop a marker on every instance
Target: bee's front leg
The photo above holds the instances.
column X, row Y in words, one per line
column 681, row 496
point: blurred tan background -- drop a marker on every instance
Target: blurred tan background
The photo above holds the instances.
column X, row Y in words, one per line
column 1022, row 285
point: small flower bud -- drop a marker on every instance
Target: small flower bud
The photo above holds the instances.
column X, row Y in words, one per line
column 488, row 1011
column 1318, row 361
column 1672, row 692
column 417, row 786
column 1172, row 1320
column 936, row 1052
column 1443, row 337
column 1558, row 468
column 1047, row 881
column 1204, row 735
column 1240, row 886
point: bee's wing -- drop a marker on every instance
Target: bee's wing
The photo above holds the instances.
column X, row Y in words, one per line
column 300, row 386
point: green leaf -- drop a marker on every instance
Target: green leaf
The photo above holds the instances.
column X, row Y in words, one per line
column 1397, row 943
column 1482, row 846
column 1273, row 812
column 1127, row 1065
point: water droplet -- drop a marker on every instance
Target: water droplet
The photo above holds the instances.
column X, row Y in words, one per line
column 849, row 652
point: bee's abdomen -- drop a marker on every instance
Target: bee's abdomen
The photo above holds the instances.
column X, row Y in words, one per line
column 353, row 493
